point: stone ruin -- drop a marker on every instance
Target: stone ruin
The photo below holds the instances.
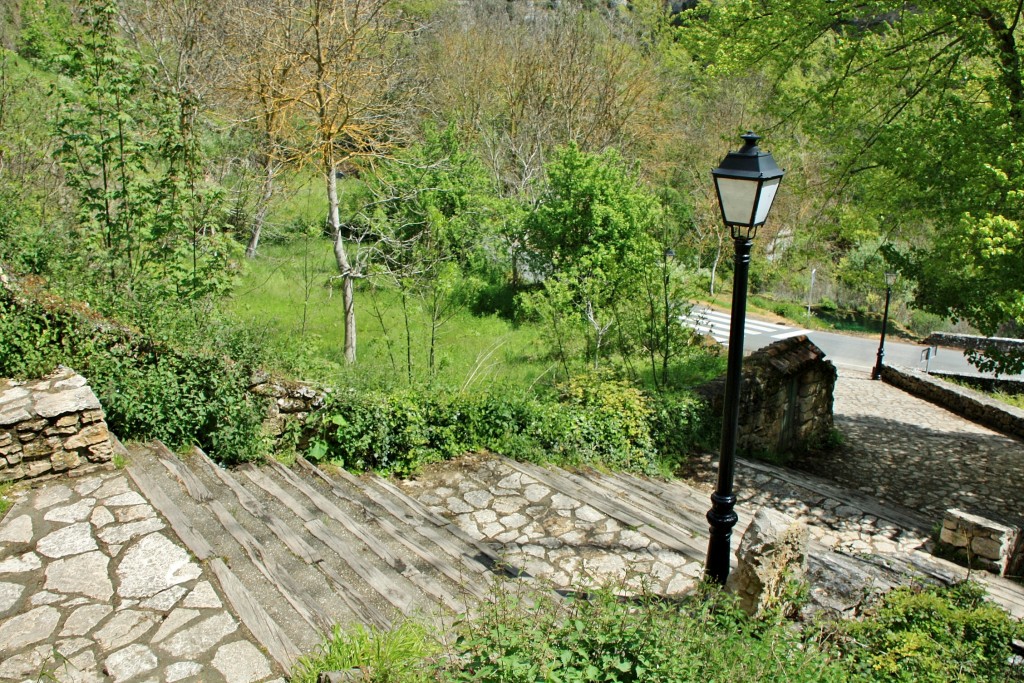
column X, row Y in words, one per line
column 50, row 426
column 785, row 399
column 994, row 546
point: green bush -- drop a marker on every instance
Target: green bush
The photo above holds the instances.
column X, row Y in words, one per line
column 590, row 421
column 681, row 424
column 183, row 393
column 604, row 638
column 934, row 635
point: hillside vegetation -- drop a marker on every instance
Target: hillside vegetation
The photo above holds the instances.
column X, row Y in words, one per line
column 498, row 197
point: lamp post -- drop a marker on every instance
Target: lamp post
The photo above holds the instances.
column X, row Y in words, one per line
column 746, row 182
column 876, row 372
column 810, row 292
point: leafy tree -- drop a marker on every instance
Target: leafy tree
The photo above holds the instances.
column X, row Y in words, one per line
column 590, row 237
column 32, row 215
column 349, row 93
column 433, row 211
column 550, row 75
column 921, row 107
column 146, row 232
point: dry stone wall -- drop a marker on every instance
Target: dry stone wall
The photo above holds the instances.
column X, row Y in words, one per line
column 960, row 400
column 51, row 426
column 290, row 403
column 991, row 544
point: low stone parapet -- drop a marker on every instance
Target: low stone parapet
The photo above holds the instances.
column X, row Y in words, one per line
column 990, row 544
column 965, row 402
column 50, row 426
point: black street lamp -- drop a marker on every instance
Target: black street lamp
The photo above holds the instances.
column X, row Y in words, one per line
column 890, row 279
column 746, row 182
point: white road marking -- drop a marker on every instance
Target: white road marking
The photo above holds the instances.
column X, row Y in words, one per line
column 791, row 333
column 717, row 325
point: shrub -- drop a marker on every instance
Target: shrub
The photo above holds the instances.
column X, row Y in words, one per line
column 605, row 638
column 591, row 421
column 681, row 424
column 183, row 393
column 934, row 634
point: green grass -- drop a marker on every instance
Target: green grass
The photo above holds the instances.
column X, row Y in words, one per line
column 5, row 497
column 916, row 633
column 289, row 295
column 400, row 655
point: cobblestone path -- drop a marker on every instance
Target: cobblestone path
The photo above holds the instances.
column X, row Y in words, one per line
column 907, row 451
column 95, row 587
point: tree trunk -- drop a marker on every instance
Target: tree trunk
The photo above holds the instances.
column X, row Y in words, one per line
column 344, row 267
column 261, row 213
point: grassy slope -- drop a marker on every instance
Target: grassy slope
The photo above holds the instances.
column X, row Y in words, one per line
column 287, row 294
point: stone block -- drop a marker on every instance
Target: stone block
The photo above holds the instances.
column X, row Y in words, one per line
column 68, row 401
column 37, row 448
column 68, row 420
column 92, row 416
column 988, row 548
column 10, row 448
column 89, row 435
column 100, row 452
column 13, row 414
column 31, row 426
column 37, row 468
column 15, row 473
column 60, row 431
column 6, row 439
column 13, row 458
column 69, row 380
column 64, row 460
column 9, row 393
column 773, row 552
column 269, row 390
column 292, row 405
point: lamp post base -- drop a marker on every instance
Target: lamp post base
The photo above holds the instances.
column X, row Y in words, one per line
column 721, row 520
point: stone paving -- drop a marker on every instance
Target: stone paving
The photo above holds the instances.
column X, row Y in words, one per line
column 95, row 587
column 905, row 450
column 833, row 522
column 899, row 451
column 550, row 535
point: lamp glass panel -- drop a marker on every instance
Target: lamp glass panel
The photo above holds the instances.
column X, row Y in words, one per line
column 737, row 199
column 764, row 203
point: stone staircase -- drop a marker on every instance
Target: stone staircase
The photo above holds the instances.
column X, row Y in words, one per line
column 298, row 551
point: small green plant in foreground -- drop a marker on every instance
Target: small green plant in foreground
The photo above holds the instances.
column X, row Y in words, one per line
column 5, row 497
column 402, row 655
column 912, row 634
column 934, row 635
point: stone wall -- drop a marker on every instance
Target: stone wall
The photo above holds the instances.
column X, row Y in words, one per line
column 970, row 341
column 51, row 426
column 990, row 544
column 960, row 400
column 1012, row 387
column 289, row 402
column 785, row 400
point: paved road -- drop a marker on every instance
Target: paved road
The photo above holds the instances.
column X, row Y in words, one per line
column 850, row 351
